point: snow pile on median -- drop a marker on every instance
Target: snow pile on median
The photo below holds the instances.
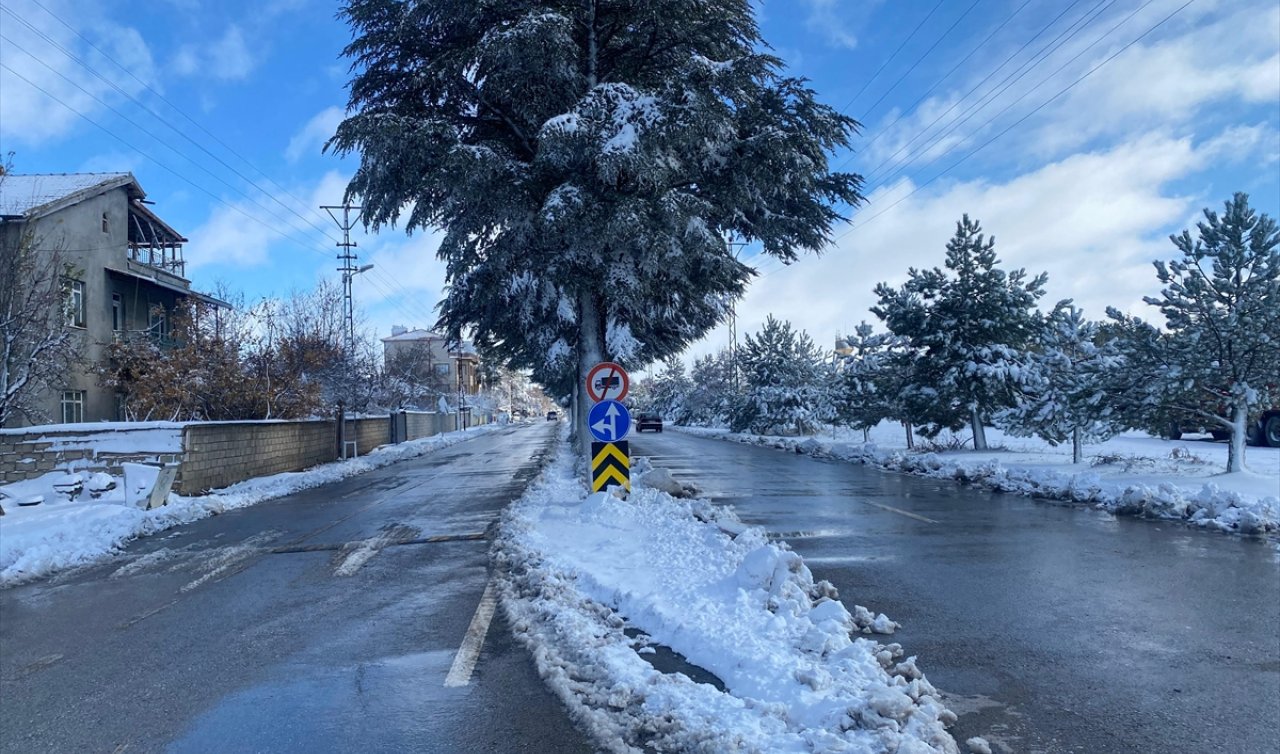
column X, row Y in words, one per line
column 60, row 533
column 1130, row 476
column 590, row 582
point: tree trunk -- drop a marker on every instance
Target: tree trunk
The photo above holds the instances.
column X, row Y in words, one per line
column 979, row 432
column 1239, row 425
column 1077, row 445
column 911, row 440
column 590, row 353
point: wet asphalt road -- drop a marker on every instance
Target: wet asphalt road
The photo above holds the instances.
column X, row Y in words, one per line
column 1050, row 628
column 269, row 629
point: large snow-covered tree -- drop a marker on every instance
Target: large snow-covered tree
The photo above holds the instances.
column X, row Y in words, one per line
column 969, row 325
column 586, row 159
column 36, row 346
column 1065, row 398
column 788, row 383
column 1217, row 357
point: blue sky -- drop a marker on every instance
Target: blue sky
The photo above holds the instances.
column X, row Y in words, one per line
column 1180, row 107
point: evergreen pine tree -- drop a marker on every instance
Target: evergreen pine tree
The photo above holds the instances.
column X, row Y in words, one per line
column 585, row 159
column 788, row 383
column 670, row 388
column 1221, row 302
column 968, row 326
column 710, row 392
column 869, row 379
column 1065, row 398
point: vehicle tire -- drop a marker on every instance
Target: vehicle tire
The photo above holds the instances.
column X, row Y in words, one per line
column 659, row 430
column 1271, row 431
column 1220, row 434
column 1253, row 434
column 1173, row 433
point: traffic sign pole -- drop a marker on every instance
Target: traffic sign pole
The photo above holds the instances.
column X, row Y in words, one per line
column 609, row 422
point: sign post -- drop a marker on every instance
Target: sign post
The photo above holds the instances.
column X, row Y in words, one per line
column 609, row 422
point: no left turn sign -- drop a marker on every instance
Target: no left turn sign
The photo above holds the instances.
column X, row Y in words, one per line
column 607, row 382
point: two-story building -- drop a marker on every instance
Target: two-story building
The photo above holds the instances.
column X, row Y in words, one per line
column 126, row 270
column 446, row 369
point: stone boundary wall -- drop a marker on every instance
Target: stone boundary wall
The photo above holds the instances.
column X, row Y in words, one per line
column 368, row 433
column 218, row 454
column 30, row 453
column 211, row 454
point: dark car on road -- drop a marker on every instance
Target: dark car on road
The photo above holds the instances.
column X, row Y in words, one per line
column 553, row 416
column 648, row 420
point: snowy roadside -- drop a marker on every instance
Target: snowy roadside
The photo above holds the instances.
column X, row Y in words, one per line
column 58, row 534
column 1133, row 474
column 593, row 585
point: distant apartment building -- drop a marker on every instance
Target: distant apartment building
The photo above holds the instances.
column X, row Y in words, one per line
column 126, row 270
column 433, row 361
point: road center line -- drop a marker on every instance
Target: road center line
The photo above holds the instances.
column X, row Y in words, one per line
column 908, row 514
column 465, row 661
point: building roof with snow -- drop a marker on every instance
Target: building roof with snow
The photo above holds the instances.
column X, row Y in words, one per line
column 32, row 195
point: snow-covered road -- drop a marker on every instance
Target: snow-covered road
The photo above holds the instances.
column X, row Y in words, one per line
column 1049, row 627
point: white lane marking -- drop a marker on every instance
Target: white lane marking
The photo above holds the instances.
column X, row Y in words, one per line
column 465, row 661
column 908, row 514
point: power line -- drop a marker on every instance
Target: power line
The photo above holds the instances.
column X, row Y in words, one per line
column 175, row 108
column 1023, row 119
column 1013, row 125
column 926, row 54
column 170, row 170
column 885, row 129
column 892, row 55
column 1012, row 78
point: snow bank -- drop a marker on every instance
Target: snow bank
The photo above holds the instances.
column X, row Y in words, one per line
column 592, row 583
column 1132, row 475
column 61, row 533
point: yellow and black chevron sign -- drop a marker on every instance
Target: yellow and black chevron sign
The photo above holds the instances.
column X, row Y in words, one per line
column 610, row 464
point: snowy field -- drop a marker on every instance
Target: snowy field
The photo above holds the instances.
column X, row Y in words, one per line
column 1132, row 474
column 62, row 533
column 594, row 585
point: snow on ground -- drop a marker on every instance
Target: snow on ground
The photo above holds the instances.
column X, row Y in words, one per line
column 63, row 533
column 1132, row 474
column 594, row 584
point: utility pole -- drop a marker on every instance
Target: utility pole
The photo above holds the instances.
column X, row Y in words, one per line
column 347, row 260
column 735, row 248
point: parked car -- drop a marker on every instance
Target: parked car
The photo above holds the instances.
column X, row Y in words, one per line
column 1263, row 428
column 648, row 420
column 552, row 416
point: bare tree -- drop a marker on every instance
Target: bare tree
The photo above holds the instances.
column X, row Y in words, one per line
column 36, row 347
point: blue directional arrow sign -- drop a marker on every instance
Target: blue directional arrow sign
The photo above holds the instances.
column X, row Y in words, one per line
column 609, row 421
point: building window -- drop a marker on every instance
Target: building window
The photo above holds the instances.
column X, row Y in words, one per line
column 75, row 302
column 157, row 322
column 117, row 312
column 104, row 222
column 72, row 406
column 442, row 370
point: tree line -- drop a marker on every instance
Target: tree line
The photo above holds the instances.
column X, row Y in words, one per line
column 966, row 345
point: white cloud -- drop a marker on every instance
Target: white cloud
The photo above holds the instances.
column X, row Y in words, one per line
column 1094, row 221
column 832, row 19
column 39, row 54
column 314, row 134
column 226, row 58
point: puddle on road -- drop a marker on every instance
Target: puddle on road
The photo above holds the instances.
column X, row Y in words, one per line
column 391, row 704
